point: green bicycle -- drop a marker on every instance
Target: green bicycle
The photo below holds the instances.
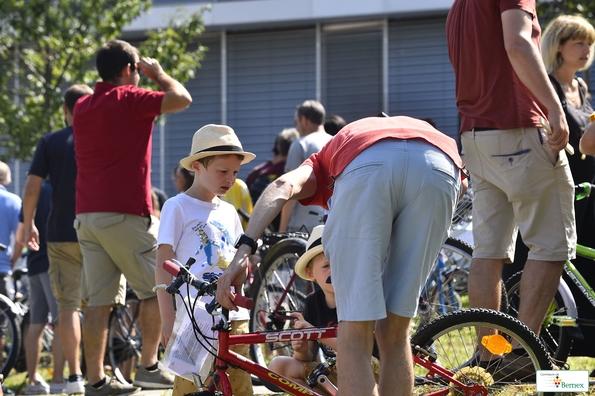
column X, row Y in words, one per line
column 561, row 325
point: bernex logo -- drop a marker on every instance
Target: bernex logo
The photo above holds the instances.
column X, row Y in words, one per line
column 562, row 381
column 290, row 384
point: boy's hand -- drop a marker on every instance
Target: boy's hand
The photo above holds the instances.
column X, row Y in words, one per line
column 167, row 327
column 300, row 322
column 300, row 346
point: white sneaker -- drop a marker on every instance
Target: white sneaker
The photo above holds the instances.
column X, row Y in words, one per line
column 75, row 387
column 57, row 388
column 40, row 388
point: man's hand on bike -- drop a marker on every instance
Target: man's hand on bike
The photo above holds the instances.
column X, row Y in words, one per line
column 234, row 275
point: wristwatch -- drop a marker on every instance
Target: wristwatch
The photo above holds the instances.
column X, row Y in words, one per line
column 243, row 239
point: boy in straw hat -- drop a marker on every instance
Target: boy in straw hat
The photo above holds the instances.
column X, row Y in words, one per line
column 198, row 224
column 320, row 310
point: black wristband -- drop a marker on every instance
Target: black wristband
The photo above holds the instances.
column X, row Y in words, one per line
column 243, row 239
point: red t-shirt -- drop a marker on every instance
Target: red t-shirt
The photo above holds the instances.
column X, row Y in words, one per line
column 330, row 161
column 112, row 139
column 489, row 93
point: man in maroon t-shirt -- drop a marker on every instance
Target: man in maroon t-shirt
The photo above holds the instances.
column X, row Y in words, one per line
column 520, row 175
column 114, row 222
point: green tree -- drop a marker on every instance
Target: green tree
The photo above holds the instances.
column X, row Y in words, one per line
column 549, row 9
column 48, row 45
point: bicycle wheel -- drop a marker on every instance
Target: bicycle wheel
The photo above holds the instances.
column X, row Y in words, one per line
column 453, row 340
column 10, row 337
column 124, row 340
column 557, row 339
column 446, row 289
column 277, row 293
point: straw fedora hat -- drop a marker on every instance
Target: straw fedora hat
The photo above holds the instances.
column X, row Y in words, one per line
column 313, row 248
column 215, row 140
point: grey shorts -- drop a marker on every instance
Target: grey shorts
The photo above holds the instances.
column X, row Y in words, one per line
column 41, row 299
column 117, row 248
column 389, row 216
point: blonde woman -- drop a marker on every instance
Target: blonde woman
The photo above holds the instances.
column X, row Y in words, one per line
column 567, row 47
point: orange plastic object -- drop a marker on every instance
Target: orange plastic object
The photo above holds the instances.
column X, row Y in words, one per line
column 592, row 117
column 496, row 344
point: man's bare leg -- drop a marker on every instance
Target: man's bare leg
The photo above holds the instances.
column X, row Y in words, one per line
column 485, row 292
column 355, row 342
column 58, row 356
column 94, row 338
column 539, row 283
column 484, row 283
column 70, row 332
column 151, row 327
column 396, row 362
column 33, row 350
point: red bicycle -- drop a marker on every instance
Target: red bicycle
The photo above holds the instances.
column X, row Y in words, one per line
column 445, row 352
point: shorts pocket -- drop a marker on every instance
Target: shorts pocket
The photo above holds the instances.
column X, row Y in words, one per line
column 361, row 170
column 109, row 220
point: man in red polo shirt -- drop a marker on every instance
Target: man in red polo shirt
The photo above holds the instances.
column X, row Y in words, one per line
column 377, row 177
column 521, row 176
column 114, row 222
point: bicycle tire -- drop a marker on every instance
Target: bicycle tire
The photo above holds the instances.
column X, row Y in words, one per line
column 557, row 339
column 270, row 282
column 124, row 338
column 453, row 339
column 10, row 326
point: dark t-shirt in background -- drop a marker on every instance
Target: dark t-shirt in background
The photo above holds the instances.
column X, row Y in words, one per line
column 54, row 156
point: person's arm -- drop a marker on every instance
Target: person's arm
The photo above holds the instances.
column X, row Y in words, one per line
column 587, row 142
column 166, row 307
column 30, row 199
column 176, row 97
column 298, row 184
column 19, row 237
column 286, row 213
column 528, row 66
column 16, row 253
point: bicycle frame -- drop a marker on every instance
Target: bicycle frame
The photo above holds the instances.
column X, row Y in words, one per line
column 225, row 356
column 582, row 284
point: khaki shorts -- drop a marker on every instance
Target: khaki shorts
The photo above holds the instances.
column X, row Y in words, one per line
column 117, row 248
column 333, row 376
column 519, row 184
column 241, row 382
column 65, row 275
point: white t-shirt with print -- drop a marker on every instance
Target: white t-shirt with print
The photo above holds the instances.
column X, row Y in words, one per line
column 204, row 230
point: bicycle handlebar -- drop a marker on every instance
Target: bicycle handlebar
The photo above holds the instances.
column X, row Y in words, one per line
column 583, row 190
column 182, row 276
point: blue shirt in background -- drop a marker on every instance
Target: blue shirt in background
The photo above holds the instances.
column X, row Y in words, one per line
column 10, row 206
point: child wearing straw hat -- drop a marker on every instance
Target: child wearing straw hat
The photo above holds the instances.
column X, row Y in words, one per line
column 320, row 310
column 198, row 224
